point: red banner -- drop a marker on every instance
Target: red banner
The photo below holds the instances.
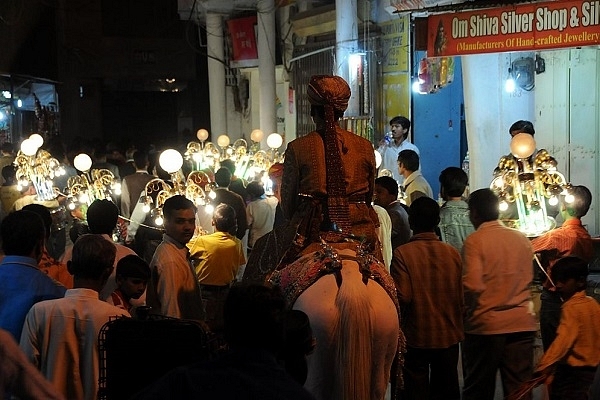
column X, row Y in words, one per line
column 526, row 27
column 243, row 38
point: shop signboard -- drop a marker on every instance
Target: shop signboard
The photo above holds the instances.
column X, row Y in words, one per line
column 523, row 27
column 243, row 39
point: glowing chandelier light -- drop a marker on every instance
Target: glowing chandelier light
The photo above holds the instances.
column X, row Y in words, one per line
column 157, row 191
column 37, row 166
column 527, row 180
column 90, row 184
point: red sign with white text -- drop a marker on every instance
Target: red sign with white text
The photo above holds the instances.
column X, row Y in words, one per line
column 526, row 27
column 243, row 38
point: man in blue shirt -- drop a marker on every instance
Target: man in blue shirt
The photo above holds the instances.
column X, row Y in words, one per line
column 22, row 284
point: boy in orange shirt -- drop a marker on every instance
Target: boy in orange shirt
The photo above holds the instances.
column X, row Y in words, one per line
column 575, row 353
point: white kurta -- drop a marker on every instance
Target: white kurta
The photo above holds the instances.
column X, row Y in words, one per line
column 61, row 338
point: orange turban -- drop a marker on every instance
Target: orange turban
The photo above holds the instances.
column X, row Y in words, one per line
column 276, row 171
column 328, row 90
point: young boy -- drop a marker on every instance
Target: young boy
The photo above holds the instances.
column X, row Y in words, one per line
column 132, row 278
column 575, row 353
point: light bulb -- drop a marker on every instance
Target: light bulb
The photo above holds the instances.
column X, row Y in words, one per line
column 84, row 198
column 503, row 206
column 522, row 145
column 256, row 135
column 274, row 140
column 146, row 208
column 569, row 198
column 82, row 162
column 159, row 220
column 223, row 140
column 170, row 160
column 28, row 147
column 202, row 135
column 212, row 195
column 416, row 87
column 553, row 201
column 71, row 206
column 209, row 209
column 510, row 85
column 37, row 139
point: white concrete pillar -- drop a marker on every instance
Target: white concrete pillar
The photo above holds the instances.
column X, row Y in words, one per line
column 346, row 43
column 216, row 75
column 266, row 67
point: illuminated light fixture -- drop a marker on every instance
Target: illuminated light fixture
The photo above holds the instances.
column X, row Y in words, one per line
column 274, row 141
column 19, row 103
column 6, row 94
column 355, row 60
column 522, row 145
column 256, row 135
column 202, row 135
column 82, row 162
column 223, row 141
column 510, row 85
column 521, row 73
column 171, row 161
column 416, row 86
column 523, row 181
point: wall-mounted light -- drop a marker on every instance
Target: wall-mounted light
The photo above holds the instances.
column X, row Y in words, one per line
column 521, row 74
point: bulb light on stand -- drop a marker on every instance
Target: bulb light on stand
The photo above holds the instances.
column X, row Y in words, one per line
column 202, row 135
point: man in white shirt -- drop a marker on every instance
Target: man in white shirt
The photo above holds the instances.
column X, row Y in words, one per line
column 398, row 141
column 172, row 289
column 61, row 336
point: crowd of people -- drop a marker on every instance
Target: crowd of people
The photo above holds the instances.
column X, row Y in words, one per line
column 463, row 279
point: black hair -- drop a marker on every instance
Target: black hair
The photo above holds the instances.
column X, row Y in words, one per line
column 225, row 219
column 140, row 159
column 133, row 266
column 44, row 213
column 9, row 172
column 229, row 164
column 177, row 202
column 102, row 216
column 522, row 126
column 570, row 267
column 424, row 214
column 7, row 147
column 581, row 203
column 255, row 189
column 223, row 177
column 254, row 317
column 389, row 184
column 402, row 121
column 410, row 159
column 92, row 256
column 21, row 232
column 453, row 181
column 485, row 203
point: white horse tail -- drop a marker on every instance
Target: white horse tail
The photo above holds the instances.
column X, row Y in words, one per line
column 352, row 340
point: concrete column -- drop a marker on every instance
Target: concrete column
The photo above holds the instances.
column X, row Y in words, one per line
column 266, row 67
column 346, row 42
column 216, row 75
